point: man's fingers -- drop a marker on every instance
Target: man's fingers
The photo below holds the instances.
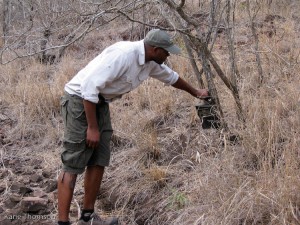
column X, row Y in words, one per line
column 95, row 145
column 92, row 144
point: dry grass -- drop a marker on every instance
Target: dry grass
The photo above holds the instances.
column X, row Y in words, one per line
column 165, row 169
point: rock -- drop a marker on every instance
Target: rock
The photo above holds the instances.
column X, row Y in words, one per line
column 37, row 164
column 46, row 174
column 20, row 188
column 33, row 204
column 26, row 180
column 39, row 193
column 8, row 203
column 51, row 185
column 28, row 170
column 4, row 173
column 15, row 198
column 24, row 190
column 15, row 187
column 17, row 170
column 36, row 178
column 35, row 185
column 2, row 189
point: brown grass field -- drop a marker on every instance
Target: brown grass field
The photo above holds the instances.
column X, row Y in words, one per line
column 165, row 168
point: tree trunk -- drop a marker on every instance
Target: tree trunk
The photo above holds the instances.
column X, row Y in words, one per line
column 256, row 47
column 193, row 62
column 6, row 19
column 234, row 70
column 211, row 85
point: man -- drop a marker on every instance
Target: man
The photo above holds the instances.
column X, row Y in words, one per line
column 119, row 69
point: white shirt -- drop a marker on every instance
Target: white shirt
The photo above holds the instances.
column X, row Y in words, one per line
column 119, row 69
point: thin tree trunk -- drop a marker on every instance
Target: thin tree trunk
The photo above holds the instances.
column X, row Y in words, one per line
column 211, row 85
column 256, row 47
column 229, row 33
column 193, row 62
column 6, row 19
column 234, row 70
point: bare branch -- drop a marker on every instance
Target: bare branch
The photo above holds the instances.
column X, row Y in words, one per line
column 29, row 39
column 181, row 13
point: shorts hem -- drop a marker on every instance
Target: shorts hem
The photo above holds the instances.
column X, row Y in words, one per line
column 105, row 164
column 72, row 170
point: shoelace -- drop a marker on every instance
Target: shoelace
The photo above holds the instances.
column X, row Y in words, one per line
column 95, row 217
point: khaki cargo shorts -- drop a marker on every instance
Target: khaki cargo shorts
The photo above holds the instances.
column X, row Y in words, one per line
column 76, row 155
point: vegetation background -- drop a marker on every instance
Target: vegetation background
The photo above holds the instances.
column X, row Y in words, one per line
column 165, row 168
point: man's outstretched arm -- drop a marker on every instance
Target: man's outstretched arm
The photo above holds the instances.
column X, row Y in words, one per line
column 183, row 85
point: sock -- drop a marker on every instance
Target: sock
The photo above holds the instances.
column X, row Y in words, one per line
column 86, row 214
column 64, row 223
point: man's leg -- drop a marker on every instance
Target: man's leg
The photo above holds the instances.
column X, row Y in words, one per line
column 66, row 184
column 92, row 182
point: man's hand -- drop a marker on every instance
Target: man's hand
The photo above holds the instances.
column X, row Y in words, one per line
column 183, row 85
column 92, row 137
column 202, row 93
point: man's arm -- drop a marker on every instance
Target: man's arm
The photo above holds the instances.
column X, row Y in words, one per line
column 93, row 134
column 183, row 85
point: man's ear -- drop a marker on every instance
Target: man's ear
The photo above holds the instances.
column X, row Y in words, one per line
column 155, row 49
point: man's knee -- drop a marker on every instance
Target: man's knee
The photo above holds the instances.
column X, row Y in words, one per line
column 68, row 178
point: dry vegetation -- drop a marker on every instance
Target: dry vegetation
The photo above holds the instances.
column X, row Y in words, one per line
column 165, row 168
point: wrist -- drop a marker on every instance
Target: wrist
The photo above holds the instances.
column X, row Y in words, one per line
column 195, row 93
column 93, row 127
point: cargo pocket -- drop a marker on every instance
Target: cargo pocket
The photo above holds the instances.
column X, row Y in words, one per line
column 63, row 108
column 105, row 139
column 76, row 108
column 75, row 155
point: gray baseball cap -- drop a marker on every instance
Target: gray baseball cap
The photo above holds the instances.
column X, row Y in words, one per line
column 161, row 39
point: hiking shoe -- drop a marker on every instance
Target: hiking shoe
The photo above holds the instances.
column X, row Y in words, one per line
column 96, row 220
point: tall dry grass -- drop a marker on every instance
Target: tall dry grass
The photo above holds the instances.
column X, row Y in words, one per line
column 165, row 168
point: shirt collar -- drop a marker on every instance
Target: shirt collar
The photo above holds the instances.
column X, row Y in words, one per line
column 141, row 53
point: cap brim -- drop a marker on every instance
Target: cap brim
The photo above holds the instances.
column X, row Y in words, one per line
column 174, row 49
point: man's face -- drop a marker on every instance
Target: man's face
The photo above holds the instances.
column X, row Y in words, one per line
column 160, row 55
